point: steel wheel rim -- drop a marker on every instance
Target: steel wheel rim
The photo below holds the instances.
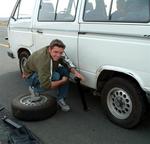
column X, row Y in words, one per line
column 26, row 100
column 119, row 103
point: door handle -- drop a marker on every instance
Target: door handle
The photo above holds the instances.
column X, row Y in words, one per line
column 38, row 31
column 147, row 36
column 83, row 33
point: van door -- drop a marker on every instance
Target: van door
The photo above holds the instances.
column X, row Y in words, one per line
column 20, row 25
column 114, row 33
column 55, row 19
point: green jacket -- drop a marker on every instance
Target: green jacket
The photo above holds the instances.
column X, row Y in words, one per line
column 41, row 63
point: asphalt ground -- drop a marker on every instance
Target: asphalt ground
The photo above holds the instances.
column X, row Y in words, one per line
column 74, row 127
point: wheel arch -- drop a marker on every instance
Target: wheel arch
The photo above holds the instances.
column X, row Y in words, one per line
column 109, row 72
column 21, row 50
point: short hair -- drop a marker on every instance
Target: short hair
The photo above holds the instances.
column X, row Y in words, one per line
column 58, row 43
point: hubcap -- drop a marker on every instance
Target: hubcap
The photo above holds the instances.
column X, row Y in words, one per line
column 28, row 100
column 119, row 103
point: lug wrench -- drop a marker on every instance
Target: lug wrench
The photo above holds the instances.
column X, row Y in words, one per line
column 85, row 107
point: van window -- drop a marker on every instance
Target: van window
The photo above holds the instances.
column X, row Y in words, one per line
column 47, row 10
column 66, row 10
column 130, row 10
column 117, row 10
column 24, row 10
column 57, row 10
column 96, row 10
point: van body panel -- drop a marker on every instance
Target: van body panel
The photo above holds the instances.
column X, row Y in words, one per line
column 114, row 28
column 128, row 72
column 20, row 34
column 67, row 32
column 116, row 46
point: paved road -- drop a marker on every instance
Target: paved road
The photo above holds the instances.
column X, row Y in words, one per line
column 3, row 34
column 75, row 127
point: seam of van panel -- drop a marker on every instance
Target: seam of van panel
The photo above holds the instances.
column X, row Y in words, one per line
column 115, row 34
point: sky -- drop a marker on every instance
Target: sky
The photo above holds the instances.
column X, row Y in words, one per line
column 6, row 7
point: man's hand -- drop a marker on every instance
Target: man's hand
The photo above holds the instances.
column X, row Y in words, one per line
column 64, row 79
column 77, row 74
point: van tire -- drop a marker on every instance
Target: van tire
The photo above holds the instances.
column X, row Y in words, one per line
column 23, row 56
column 24, row 110
column 123, row 102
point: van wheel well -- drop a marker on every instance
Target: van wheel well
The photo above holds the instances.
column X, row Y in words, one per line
column 107, row 75
column 22, row 50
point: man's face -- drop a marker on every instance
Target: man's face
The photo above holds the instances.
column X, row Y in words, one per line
column 56, row 52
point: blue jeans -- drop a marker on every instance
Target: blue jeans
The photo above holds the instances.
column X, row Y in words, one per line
column 62, row 91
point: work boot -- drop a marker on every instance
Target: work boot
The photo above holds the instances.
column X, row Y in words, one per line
column 63, row 105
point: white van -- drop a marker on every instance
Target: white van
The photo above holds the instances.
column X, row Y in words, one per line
column 108, row 41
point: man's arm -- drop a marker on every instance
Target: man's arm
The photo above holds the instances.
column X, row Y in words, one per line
column 71, row 66
column 77, row 74
column 66, row 61
column 56, row 84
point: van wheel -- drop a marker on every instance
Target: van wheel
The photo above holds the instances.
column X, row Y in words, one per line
column 27, row 109
column 23, row 56
column 123, row 102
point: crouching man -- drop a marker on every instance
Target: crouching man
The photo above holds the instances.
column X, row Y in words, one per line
column 48, row 68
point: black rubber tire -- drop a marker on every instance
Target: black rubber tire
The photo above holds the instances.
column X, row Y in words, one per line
column 23, row 56
column 132, row 96
column 33, row 112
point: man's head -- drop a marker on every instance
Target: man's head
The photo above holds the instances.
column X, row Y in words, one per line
column 56, row 49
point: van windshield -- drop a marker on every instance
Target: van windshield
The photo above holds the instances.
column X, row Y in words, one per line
column 23, row 10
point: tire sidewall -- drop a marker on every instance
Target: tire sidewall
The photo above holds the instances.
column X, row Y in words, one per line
column 135, row 95
column 33, row 113
column 23, row 55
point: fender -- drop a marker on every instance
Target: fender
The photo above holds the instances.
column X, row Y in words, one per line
column 128, row 72
column 25, row 48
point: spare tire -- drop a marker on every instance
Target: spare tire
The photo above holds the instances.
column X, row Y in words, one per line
column 25, row 109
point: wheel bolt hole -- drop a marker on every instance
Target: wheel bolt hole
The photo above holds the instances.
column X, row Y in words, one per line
column 128, row 105
column 116, row 93
column 113, row 104
column 123, row 112
column 120, row 93
column 124, row 96
column 119, row 111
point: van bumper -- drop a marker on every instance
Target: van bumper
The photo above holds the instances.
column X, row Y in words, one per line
column 10, row 54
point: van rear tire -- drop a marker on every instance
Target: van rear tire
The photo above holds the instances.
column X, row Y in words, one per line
column 23, row 56
column 123, row 102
